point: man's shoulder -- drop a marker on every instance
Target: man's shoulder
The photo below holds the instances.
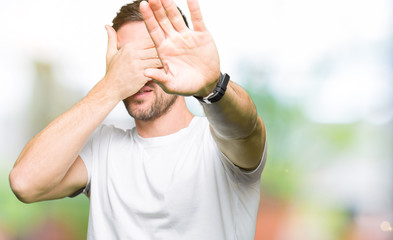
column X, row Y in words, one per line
column 112, row 127
column 201, row 120
column 106, row 130
column 199, row 124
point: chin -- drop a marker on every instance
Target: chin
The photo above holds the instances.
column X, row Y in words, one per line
column 150, row 110
column 137, row 109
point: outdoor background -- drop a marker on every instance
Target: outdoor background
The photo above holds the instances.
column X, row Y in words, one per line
column 319, row 71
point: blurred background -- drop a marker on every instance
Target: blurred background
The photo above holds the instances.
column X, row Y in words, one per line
column 319, row 71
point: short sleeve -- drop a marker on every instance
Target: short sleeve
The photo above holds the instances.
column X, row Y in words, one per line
column 87, row 155
column 244, row 176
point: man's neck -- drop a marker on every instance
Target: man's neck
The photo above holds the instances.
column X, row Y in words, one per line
column 176, row 118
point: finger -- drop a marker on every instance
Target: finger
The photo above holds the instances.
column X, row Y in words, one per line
column 151, row 63
column 196, row 15
column 161, row 16
column 174, row 15
column 141, row 44
column 112, row 42
column 155, row 31
column 150, row 53
column 158, row 75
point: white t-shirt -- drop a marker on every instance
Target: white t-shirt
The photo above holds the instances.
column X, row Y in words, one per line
column 178, row 186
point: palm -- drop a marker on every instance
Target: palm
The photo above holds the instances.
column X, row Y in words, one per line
column 190, row 58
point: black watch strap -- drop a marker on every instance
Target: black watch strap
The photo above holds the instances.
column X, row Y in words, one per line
column 218, row 92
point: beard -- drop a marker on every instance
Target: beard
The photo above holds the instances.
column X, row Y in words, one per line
column 162, row 103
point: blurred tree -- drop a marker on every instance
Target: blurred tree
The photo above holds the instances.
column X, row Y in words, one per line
column 297, row 149
column 48, row 100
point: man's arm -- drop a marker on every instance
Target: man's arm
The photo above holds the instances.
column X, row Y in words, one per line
column 192, row 67
column 48, row 161
column 237, row 129
column 49, row 166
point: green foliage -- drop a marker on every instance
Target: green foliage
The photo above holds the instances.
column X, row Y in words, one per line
column 19, row 218
column 296, row 144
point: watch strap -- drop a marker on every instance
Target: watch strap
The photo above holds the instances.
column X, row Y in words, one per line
column 218, row 92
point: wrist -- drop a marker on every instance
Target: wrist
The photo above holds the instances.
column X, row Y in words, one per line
column 218, row 92
column 208, row 89
column 105, row 90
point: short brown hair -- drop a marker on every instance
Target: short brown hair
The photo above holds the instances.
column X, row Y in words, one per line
column 131, row 13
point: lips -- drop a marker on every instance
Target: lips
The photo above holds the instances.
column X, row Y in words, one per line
column 145, row 89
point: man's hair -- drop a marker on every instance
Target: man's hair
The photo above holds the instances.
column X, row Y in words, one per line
column 131, row 13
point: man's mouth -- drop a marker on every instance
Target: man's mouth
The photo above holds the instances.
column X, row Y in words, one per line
column 144, row 91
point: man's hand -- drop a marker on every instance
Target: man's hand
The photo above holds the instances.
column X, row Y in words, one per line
column 189, row 57
column 125, row 67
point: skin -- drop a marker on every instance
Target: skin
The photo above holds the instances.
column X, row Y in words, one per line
column 152, row 101
column 182, row 62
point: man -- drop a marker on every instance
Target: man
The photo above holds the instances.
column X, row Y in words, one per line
column 173, row 176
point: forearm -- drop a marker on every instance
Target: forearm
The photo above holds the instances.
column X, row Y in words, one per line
column 234, row 116
column 236, row 127
column 46, row 159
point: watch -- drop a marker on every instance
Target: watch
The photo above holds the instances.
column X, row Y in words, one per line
column 218, row 92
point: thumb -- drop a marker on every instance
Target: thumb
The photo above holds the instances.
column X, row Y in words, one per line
column 112, row 43
column 160, row 77
column 157, row 74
